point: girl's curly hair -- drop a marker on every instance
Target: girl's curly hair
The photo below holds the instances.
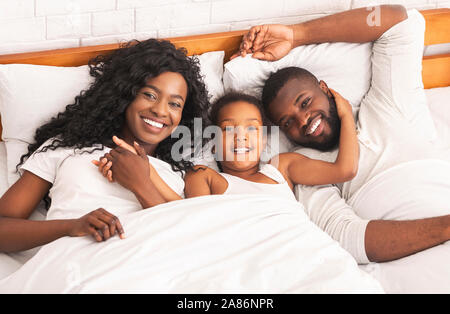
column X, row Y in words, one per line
column 98, row 113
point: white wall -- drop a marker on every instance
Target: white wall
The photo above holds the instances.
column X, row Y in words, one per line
column 32, row 25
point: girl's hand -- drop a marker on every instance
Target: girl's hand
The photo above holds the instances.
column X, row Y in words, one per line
column 104, row 166
column 100, row 224
column 343, row 106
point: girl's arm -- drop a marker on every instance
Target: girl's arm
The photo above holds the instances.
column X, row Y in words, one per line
column 303, row 170
column 197, row 182
column 17, row 233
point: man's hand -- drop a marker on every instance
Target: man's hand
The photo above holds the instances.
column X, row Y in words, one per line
column 100, row 224
column 269, row 42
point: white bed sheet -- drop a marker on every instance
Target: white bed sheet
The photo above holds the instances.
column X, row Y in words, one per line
column 438, row 99
column 212, row 244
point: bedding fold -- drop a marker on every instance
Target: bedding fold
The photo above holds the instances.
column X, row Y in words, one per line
column 212, row 244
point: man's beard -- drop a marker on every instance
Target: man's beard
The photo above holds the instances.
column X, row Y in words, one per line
column 330, row 142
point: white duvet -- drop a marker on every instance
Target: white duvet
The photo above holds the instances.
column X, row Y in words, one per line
column 212, row 244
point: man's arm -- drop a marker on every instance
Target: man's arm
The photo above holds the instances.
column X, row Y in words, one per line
column 388, row 240
column 353, row 26
column 329, row 211
column 273, row 41
column 375, row 240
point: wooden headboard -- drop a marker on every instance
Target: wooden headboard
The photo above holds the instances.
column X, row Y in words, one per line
column 435, row 73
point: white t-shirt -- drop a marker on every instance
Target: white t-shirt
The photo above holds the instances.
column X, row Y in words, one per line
column 79, row 188
column 395, row 129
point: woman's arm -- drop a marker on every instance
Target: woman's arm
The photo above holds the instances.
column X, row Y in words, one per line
column 17, row 233
column 16, row 205
column 303, row 170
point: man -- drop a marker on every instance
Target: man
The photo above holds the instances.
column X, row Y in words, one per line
column 399, row 202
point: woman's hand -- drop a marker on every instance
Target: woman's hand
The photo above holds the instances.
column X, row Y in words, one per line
column 100, row 224
column 269, row 42
column 130, row 170
column 104, row 166
column 343, row 106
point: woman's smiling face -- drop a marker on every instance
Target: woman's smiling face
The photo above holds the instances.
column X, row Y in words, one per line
column 157, row 109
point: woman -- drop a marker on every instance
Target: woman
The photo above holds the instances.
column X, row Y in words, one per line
column 141, row 93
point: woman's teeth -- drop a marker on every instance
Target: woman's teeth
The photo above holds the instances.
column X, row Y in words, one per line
column 313, row 127
column 153, row 123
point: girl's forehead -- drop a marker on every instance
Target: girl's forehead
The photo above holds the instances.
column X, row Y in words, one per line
column 239, row 111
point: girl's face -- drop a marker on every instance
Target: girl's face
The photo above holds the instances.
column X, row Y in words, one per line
column 242, row 136
column 157, row 109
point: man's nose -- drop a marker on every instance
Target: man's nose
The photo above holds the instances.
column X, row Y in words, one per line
column 303, row 118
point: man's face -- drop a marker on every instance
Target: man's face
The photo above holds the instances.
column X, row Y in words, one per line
column 306, row 112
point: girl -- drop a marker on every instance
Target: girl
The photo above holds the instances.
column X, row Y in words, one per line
column 241, row 119
column 141, row 92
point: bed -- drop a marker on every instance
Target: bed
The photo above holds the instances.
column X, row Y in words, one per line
column 215, row 258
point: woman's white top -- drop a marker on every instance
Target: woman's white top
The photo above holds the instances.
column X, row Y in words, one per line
column 79, row 188
column 282, row 189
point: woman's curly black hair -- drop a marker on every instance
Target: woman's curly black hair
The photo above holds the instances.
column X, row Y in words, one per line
column 98, row 113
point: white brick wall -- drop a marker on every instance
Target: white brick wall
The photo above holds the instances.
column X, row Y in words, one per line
column 31, row 25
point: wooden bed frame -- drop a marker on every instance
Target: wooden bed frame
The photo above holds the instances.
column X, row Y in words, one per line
column 435, row 72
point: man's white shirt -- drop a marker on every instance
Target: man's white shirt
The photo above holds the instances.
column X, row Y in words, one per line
column 397, row 140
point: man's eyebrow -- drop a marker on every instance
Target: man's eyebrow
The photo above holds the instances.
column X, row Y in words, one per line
column 159, row 91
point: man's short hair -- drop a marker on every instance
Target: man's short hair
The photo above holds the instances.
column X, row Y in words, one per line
column 278, row 79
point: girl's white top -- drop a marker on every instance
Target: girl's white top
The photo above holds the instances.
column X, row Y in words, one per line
column 237, row 185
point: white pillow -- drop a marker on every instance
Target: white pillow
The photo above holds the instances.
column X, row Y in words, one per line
column 211, row 68
column 31, row 95
column 345, row 67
